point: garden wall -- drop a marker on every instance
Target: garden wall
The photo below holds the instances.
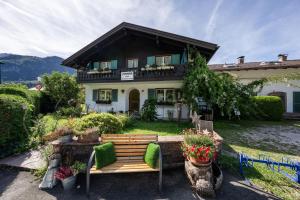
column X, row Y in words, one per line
column 170, row 146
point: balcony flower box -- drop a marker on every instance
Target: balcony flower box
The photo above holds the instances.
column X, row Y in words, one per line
column 103, row 101
column 157, row 68
column 93, row 72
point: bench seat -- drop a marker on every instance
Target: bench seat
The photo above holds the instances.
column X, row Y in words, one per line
column 130, row 150
column 123, row 167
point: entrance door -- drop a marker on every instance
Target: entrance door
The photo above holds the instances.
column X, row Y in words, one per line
column 134, row 100
column 296, row 101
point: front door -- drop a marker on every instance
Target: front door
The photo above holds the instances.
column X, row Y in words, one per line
column 296, row 100
column 134, row 100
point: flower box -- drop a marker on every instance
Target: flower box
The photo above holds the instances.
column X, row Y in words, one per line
column 103, row 102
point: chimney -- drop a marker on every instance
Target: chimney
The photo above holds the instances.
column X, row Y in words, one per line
column 241, row 60
column 282, row 57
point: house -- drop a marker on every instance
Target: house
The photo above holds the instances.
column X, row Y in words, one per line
column 249, row 71
column 131, row 63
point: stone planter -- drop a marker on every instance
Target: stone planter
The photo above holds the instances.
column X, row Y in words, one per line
column 65, row 139
column 69, row 183
column 201, row 178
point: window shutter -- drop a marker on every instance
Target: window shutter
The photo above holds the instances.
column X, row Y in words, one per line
column 114, row 64
column 151, row 94
column 175, row 59
column 114, row 95
column 95, row 92
column 150, row 60
column 96, row 65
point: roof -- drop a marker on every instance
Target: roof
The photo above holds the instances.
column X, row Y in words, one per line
column 128, row 26
column 256, row 65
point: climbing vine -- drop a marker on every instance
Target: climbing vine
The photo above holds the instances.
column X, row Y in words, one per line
column 219, row 90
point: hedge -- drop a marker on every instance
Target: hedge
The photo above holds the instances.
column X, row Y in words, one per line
column 269, row 107
column 16, row 118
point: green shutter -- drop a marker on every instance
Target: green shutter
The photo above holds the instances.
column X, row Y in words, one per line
column 96, row 65
column 296, row 99
column 114, row 95
column 175, row 59
column 150, row 60
column 114, row 64
column 95, row 92
column 151, row 94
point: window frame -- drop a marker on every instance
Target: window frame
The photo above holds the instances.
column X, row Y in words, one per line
column 163, row 56
column 165, row 94
column 133, row 59
column 106, row 91
column 108, row 64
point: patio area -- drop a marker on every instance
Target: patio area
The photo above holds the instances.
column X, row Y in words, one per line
column 20, row 185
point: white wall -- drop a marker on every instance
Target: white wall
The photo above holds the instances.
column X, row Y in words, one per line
column 247, row 76
column 123, row 98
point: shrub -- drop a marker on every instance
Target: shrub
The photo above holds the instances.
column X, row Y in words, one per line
column 33, row 97
column 268, row 107
column 106, row 122
column 198, row 140
column 126, row 120
column 47, row 105
column 15, row 120
column 69, row 111
column 149, row 110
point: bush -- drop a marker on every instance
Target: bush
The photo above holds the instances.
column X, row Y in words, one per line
column 106, row 122
column 47, row 105
column 268, row 107
column 149, row 110
column 70, row 111
column 16, row 118
column 33, row 97
column 126, row 120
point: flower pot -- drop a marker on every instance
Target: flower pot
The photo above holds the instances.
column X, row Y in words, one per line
column 69, row 183
column 65, row 139
column 199, row 163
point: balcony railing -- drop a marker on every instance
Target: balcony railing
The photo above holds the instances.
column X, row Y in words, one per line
column 175, row 72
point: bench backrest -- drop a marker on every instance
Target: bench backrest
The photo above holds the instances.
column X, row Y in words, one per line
column 129, row 146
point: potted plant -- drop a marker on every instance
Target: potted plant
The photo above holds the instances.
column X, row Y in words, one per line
column 68, row 175
column 198, row 149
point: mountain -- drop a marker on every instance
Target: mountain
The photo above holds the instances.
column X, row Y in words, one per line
column 28, row 68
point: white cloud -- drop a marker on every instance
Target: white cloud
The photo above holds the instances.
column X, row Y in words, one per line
column 42, row 27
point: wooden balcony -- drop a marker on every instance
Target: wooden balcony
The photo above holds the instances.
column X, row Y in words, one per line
column 175, row 72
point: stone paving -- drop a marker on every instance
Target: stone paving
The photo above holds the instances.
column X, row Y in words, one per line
column 28, row 160
column 21, row 185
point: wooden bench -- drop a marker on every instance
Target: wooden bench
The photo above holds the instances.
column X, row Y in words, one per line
column 130, row 150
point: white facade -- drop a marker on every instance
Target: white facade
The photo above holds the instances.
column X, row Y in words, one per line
column 247, row 76
column 124, row 88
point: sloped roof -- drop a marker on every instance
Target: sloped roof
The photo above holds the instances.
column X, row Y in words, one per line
column 128, row 26
column 256, row 65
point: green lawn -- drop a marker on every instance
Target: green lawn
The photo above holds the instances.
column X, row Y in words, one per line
column 260, row 175
column 159, row 127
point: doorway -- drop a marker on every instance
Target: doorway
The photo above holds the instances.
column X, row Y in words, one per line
column 134, row 101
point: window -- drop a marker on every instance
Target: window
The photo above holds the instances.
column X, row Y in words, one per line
column 104, row 95
column 163, row 60
column 165, row 95
column 133, row 63
column 105, row 65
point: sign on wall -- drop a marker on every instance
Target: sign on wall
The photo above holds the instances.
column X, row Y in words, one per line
column 127, row 76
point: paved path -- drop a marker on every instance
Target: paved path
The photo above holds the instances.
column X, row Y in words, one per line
column 28, row 160
column 20, row 185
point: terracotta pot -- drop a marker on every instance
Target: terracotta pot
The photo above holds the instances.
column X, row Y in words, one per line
column 196, row 162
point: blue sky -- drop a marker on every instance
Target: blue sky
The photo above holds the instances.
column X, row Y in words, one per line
column 257, row 29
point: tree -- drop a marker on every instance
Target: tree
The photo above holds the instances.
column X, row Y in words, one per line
column 61, row 87
column 219, row 90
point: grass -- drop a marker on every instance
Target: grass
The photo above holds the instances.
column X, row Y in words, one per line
column 260, row 175
column 161, row 128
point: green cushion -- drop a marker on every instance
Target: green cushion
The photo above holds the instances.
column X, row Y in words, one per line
column 104, row 155
column 151, row 155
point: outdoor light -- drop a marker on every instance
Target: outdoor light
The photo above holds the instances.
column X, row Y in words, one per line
column 122, row 91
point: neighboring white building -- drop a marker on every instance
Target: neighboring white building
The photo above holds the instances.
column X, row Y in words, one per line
column 251, row 71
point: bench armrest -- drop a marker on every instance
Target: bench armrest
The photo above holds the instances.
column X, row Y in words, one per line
column 90, row 163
